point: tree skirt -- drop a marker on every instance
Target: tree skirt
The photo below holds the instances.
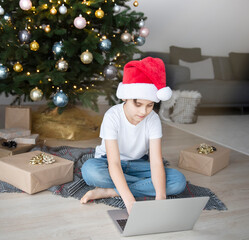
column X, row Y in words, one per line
column 77, row 188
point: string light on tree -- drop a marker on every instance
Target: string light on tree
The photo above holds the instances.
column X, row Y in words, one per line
column 47, row 29
column 45, row 6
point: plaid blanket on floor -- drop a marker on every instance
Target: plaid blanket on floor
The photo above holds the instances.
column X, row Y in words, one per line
column 77, row 188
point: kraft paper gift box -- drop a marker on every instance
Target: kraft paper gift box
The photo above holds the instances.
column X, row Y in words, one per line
column 17, row 171
column 206, row 164
column 21, row 148
column 11, row 133
column 32, row 139
column 18, row 117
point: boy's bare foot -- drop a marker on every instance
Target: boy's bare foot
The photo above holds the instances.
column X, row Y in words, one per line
column 98, row 193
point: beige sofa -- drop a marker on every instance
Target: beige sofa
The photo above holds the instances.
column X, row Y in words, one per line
column 222, row 81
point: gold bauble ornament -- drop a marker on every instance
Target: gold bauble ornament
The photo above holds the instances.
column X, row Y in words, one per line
column 86, row 57
column 47, row 29
column 99, row 13
column 135, row 4
column 53, row 10
column 18, row 67
column 34, row 46
column 36, row 94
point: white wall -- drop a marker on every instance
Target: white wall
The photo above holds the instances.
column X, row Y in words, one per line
column 216, row 26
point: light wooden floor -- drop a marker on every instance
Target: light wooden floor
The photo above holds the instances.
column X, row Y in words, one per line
column 45, row 216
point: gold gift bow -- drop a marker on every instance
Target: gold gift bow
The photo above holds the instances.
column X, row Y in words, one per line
column 42, row 158
column 205, row 148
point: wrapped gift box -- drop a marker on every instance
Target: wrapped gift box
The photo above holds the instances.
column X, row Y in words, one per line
column 206, row 164
column 21, row 148
column 27, row 140
column 18, row 117
column 11, row 133
column 17, row 171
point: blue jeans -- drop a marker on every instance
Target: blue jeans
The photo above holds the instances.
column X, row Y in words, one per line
column 137, row 174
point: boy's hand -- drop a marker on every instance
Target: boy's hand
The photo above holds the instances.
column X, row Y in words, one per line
column 160, row 197
column 129, row 206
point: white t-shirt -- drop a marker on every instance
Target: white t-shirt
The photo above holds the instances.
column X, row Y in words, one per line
column 133, row 140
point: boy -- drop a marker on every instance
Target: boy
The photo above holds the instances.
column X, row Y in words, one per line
column 129, row 132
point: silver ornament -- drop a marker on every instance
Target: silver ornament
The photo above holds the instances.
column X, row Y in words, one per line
column 110, row 72
column 4, row 72
column 86, row 57
column 116, row 8
column 24, row 36
column 126, row 37
column 140, row 41
column 63, row 9
column 105, row 45
column 1, row 10
column 7, row 17
column 141, row 23
column 36, row 94
column 61, row 65
column 60, row 99
column 57, row 48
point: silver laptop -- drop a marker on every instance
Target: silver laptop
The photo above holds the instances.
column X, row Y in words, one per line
column 159, row 216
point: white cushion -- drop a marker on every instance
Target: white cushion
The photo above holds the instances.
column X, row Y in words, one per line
column 199, row 70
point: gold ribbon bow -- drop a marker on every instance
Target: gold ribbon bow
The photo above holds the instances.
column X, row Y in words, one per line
column 42, row 158
column 205, row 148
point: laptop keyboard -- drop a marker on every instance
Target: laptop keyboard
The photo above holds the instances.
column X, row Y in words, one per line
column 122, row 223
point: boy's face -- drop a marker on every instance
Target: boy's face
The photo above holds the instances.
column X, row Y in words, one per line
column 136, row 110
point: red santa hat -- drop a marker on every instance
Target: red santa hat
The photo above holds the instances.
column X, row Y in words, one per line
column 144, row 79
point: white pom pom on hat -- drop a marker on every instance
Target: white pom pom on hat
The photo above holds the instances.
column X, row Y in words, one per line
column 144, row 79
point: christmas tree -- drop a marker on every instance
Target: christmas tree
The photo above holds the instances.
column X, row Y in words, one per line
column 66, row 50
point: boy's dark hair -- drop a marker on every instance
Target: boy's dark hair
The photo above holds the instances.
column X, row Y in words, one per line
column 156, row 107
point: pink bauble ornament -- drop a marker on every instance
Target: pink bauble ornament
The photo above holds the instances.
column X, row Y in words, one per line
column 25, row 4
column 144, row 32
column 79, row 22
